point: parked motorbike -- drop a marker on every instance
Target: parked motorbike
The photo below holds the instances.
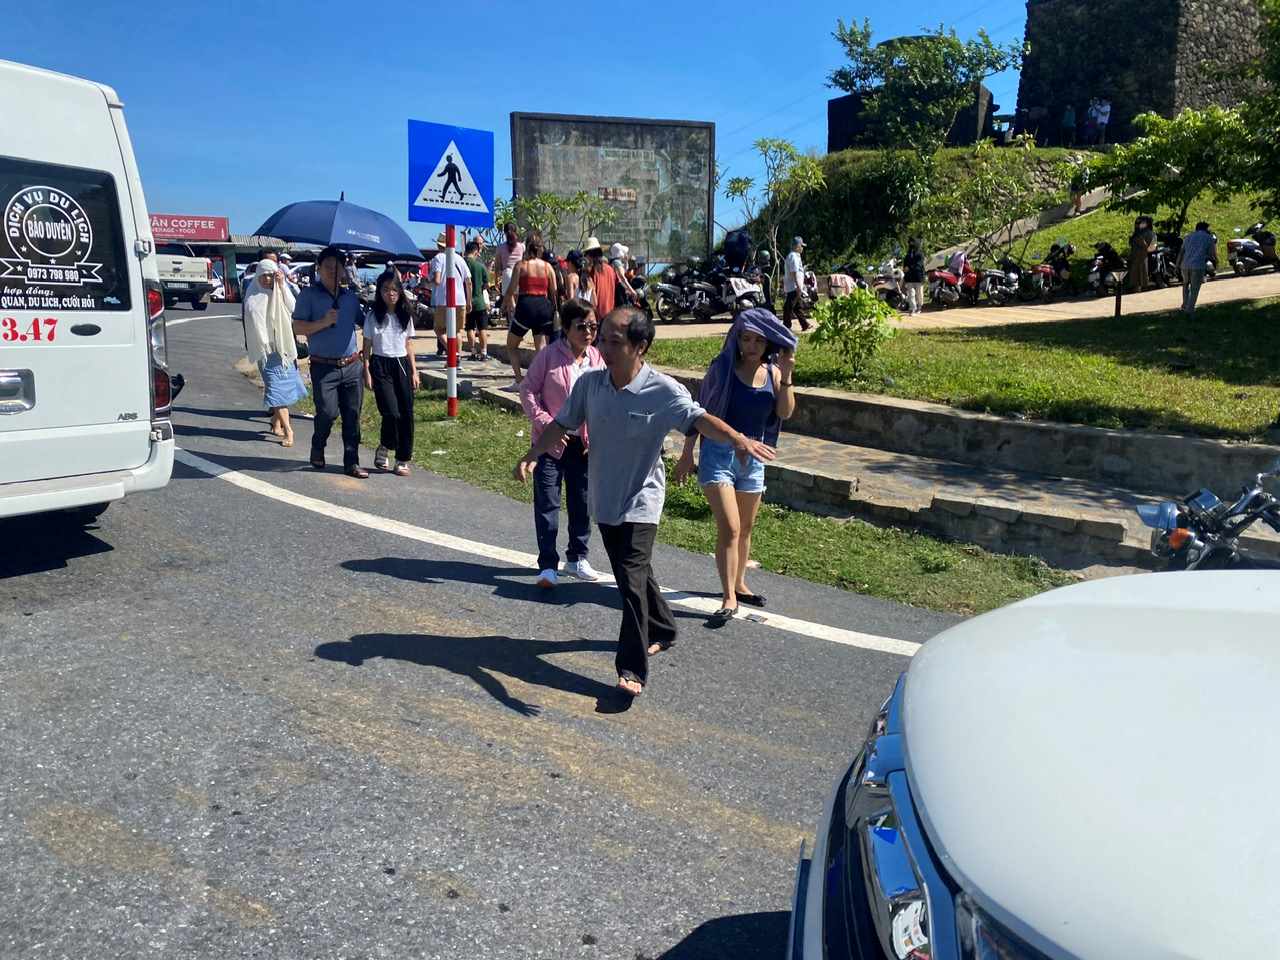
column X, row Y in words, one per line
column 947, row 287
column 674, row 297
column 1257, row 248
column 886, row 282
column 705, row 293
column 1201, row 532
column 1107, row 271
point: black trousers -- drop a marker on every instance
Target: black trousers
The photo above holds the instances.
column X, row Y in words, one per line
column 338, row 391
column 393, row 390
column 793, row 307
column 646, row 618
column 571, row 468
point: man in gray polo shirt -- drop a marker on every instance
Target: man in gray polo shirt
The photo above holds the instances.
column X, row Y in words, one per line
column 629, row 408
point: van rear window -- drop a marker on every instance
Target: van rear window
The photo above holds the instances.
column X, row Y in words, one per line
column 62, row 245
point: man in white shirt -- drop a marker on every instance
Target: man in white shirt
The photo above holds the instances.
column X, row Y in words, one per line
column 792, row 286
column 508, row 254
column 1104, row 117
column 437, row 276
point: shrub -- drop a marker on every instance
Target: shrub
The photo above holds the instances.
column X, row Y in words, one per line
column 855, row 326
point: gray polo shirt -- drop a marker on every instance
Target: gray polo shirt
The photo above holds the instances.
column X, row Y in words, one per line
column 626, row 477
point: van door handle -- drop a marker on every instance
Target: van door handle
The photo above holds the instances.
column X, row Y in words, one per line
column 17, row 391
column 86, row 329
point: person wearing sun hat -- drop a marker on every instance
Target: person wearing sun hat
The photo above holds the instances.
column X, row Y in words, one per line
column 604, row 279
column 437, row 276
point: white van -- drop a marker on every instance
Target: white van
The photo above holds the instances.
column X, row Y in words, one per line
column 84, row 388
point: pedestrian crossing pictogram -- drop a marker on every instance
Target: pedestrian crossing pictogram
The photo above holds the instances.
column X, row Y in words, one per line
column 451, row 185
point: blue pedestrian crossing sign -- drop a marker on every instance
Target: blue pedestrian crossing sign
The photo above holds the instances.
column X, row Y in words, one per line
column 450, row 174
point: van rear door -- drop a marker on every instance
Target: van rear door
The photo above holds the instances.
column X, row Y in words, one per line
column 75, row 377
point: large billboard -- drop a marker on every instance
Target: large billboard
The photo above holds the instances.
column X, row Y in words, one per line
column 656, row 173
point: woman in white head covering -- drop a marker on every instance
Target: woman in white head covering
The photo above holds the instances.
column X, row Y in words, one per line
column 268, row 333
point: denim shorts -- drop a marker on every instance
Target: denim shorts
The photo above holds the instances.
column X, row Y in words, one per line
column 719, row 463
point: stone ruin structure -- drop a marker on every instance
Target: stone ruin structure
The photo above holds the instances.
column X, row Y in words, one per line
column 1142, row 55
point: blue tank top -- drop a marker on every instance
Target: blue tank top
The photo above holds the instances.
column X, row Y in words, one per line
column 750, row 407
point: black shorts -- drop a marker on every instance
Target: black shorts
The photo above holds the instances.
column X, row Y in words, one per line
column 534, row 314
column 477, row 320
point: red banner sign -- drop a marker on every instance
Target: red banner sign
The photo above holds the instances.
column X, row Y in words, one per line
column 172, row 226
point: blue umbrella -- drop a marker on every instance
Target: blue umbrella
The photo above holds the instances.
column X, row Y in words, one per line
column 340, row 224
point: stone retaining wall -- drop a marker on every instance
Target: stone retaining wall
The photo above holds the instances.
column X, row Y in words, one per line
column 1163, row 464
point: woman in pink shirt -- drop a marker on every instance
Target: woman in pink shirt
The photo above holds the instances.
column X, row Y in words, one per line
column 544, row 390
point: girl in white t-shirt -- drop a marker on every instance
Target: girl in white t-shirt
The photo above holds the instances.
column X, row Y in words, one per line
column 391, row 371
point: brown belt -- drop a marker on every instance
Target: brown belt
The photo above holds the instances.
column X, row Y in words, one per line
column 335, row 361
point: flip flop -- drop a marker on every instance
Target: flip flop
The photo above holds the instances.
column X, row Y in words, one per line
column 752, row 599
column 662, row 645
column 722, row 616
column 359, row 472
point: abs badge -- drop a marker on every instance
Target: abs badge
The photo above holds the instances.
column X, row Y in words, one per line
column 50, row 237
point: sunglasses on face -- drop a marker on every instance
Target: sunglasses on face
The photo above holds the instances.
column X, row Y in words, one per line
column 586, row 327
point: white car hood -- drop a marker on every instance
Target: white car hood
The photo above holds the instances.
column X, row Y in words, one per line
column 1100, row 763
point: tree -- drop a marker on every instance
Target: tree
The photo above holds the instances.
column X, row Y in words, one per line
column 913, row 88
column 999, row 188
column 1175, row 161
column 789, row 176
column 594, row 215
column 1262, row 114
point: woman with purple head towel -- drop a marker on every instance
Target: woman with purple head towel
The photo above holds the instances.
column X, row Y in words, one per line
column 749, row 387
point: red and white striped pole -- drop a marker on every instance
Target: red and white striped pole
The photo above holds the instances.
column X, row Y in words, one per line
column 451, row 323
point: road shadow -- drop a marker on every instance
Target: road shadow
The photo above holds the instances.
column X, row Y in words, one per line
column 44, row 542
column 249, row 465
column 258, row 433
column 509, row 583
column 481, row 658
column 226, row 413
column 743, row 937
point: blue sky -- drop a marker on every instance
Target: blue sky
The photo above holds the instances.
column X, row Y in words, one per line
column 237, row 115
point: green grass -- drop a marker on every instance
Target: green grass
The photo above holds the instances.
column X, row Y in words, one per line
column 483, row 444
column 1215, row 376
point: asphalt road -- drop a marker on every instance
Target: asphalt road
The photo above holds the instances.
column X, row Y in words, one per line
column 234, row 724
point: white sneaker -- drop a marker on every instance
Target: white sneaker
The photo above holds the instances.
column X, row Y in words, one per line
column 547, row 579
column 582, row 570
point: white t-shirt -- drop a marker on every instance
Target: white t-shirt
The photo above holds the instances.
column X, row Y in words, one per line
column 793, row 272
column 1104, row 112
column 576, row 370
column 440, row 290
column 388, row 340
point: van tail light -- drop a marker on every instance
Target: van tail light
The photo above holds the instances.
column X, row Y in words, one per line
column 208, row 267
column 158, row 352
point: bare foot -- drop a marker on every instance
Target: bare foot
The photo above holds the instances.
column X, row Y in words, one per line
column 630, row 687
column 288, row 440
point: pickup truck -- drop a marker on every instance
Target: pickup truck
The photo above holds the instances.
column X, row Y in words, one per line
column 184, row 276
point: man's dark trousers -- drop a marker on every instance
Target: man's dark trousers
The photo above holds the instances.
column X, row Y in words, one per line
column 646, row 618
column 338, row 391
column 547, row 477
column 793, row 308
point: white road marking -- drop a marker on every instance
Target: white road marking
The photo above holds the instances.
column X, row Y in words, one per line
column 806, row 628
